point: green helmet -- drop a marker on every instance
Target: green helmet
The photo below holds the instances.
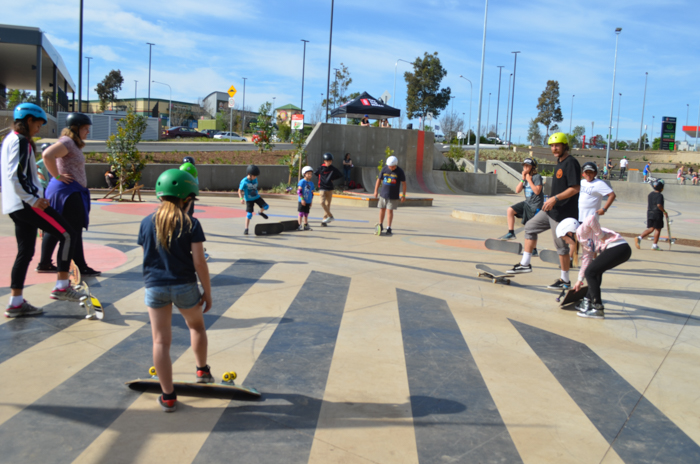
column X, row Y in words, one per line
column 189, row 167
column 558, row 137
column 176, row 183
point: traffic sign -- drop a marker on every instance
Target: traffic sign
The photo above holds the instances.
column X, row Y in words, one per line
column 232, row 91
column 231, row 102
column 386, row 96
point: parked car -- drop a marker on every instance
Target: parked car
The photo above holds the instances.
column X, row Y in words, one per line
column 439, row 138
column 182, row 132
column 230, row 136
column 210, row 132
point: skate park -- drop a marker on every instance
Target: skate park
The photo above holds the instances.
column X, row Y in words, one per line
column 367, row 348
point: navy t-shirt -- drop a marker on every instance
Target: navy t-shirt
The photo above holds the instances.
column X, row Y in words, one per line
column 391, row 182
column 567, row 174
column 168, row 267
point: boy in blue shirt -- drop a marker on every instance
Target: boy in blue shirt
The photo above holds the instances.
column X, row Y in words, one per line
column 305, row 191
column 249, row 188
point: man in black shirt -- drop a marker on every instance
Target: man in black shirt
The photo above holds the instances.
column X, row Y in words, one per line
column 326, row 174
column 562, row 204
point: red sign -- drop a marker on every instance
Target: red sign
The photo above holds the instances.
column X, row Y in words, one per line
column 365, row 102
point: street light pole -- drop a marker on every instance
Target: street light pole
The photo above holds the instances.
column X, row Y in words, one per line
column 644, row 102
column 498, row 100
column 488, row 115
column 505, row 136
column 170, row 106
column 393, row 100
column 617, row 129
column 571, row 119
column 612, row 98
column 651, row 137
column 303, row 70
column 87, row 97
column 512, row 100
column 150, row 47
column 481, row 91
column 471, row 88
column 80, row 63
column 330, row 47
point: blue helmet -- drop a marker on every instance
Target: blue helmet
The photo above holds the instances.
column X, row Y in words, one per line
column 29, row 109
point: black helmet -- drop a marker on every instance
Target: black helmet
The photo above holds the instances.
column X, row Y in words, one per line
column 188, row 159
column 589, row 166
column 78, row 119
column 253, row 170
column 531, row 161
column 658, row 185
column 44, row 146
column 327, row 156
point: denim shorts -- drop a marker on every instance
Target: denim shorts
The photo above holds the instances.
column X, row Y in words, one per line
column 184, row 296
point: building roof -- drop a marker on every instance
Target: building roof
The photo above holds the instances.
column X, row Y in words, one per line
column 288, row 106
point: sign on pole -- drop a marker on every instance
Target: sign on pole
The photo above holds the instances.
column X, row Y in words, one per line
column 231, row 102
column 386, row 96
column 297, row 121
column 232, row 91
column 668, row 133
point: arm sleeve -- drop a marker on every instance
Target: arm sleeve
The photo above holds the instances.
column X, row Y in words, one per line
column 336, row 173
column 402, row 176
column 197, row 234
column 20, row 174
column 573, row 174
column 241, row 186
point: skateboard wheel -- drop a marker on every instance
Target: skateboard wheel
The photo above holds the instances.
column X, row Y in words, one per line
column 233, row 375
column 152, row 370
column 494, row 280
column 226, row 377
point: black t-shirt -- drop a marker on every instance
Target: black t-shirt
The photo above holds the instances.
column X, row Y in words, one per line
column 174, row 266
column 655, row 199
column 567, row 173
column 391, row 182
column 326, row 175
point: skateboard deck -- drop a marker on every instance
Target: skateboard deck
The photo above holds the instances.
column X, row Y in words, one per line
column 226, row 387
column 670, row 240
column 269, row 229
column 549, row 256
column 572, row 296
column 90, row 303
column 504, row 245
column 289, row 226
column 495, row 276
column 378, row 229
column 74, row 274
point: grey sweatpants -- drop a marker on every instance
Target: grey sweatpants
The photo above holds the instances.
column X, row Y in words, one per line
column 541, row 222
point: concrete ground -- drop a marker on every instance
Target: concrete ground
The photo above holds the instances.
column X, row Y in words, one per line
column 366, row 349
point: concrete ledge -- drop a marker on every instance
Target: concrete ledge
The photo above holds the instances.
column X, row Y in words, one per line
column 480, row 217
column 371, row 202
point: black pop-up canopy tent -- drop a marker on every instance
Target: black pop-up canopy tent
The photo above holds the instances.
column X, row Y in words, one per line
column 363, row 105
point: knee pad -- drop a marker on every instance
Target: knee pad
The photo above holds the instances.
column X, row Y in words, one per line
column 266, row 207
column 249, row 215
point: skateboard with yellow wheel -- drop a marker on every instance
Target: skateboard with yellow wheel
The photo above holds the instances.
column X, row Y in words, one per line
column 88, row 301
column 227, row 387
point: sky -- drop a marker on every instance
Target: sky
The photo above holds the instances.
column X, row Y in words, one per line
column 210, row 45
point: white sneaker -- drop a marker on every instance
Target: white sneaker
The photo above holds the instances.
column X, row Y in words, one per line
column 331, row 219
column 326, row 220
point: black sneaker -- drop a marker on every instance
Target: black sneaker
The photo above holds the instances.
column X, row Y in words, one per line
column 508, row 236
column 324, row 224
column 262, row 215
column 245, row 232
column 90, row 272
column 167, row 405
column 388, row 231
column 46, row 268
column 560, row 285
column 519, row 269
column 204, row 375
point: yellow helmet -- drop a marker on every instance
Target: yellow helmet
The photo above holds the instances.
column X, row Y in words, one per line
column 558, row 137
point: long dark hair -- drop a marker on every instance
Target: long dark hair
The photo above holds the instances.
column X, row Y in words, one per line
column 20, row 126
column 347, row 155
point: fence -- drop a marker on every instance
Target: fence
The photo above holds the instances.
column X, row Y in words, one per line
column 105, row 124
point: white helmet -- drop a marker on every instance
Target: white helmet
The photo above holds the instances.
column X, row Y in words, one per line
column 306, row 169
column 567, row 225
column 392, row 161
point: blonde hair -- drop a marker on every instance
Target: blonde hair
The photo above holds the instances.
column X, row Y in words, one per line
column 73, row 133
column 169, row 218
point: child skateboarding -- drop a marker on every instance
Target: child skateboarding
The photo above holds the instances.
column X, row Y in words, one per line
column 173, row 260
column 23, row 200
column 531, row 183
column 305, row 191
column 655, row 216
column 393, row 180
column 592, row 192
column 248, row 188
column 612, row 251
column 326, row 174
column 562, row 204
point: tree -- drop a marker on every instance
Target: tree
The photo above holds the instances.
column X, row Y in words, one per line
column 533, row 132
column 451, row 124
column 263, row 128
column 123, row 154
column 424, row 94
column 549, row 107
column 108, row 88
column 622, row 145
column 656, row 144
column 339, row 86
column 15, row 97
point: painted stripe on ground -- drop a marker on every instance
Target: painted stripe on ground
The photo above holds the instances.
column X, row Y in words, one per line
column 454, row 415
column 608, row 400
column 291, row 372
column 71, row 416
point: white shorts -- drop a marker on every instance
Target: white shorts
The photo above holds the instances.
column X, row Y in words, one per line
column 386, row 203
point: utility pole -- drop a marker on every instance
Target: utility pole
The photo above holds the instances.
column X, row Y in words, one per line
column 644, row 102
column 512, row 100
column 303, row 69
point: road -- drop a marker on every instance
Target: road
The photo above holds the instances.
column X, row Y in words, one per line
column 98, row 146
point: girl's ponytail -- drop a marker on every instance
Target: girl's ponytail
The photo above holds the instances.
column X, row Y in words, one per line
column 171, row 219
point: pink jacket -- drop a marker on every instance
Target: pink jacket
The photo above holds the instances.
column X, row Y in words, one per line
column 593, row 239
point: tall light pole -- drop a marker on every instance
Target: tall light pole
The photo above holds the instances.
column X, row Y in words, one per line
column 87, row 97
column 505, row 137
column 612, row 98
column 644, row 102
column 471, row 88
column 453, row 105
column 512, row 100
column 571, row 119
column 651, row 137
column 481, row 91
column 170, row 106
column 488, row 115
column 303, row 69
column 498, row 100
column 80, row 63
column 617, row 129
column 330, row 47
column 393, row 100
column 243, row 120
column 150, row 47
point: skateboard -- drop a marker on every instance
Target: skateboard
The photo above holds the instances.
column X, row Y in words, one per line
column 495, row 276
column 504, row 245
column 549, row 256
column 226, row 387
column 378, row 229
column 572, row 296
column 289, row 226
column 269, row 229
column 670, row 239
column 88, row 301
column 74, row 274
